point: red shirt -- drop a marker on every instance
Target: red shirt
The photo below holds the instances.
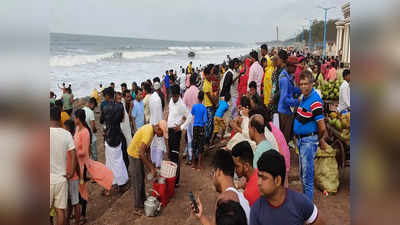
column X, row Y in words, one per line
column 251, row 192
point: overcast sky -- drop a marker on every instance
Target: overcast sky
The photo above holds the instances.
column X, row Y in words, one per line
column 186, row 20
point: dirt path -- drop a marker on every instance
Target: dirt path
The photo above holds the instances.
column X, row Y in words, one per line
column 117, row 209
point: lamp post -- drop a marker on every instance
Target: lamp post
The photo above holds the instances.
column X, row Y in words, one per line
column 309, row 34
column 324, row 43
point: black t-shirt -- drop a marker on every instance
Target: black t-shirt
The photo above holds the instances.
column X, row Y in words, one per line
column 226, row 86
column 112, row 116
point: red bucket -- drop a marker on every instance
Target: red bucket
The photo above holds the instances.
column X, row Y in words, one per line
column 170, row 186
column 162, row 191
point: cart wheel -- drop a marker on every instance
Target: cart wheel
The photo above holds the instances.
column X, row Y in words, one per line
column 340, row 156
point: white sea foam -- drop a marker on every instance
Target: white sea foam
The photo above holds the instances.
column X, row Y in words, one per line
column 143, row 54
column 74, row 60
column 186, row 48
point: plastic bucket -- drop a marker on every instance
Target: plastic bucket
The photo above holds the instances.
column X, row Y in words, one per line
column 170, row 186
column 168, row 169
column 161, row 188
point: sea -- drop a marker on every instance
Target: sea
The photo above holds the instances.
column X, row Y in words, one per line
column 86, row 61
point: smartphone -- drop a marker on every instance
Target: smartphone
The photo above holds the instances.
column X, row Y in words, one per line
column 191, row 196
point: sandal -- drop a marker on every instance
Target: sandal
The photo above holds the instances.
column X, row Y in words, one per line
column 138, row 212
column 83, row 221
column 106, row 193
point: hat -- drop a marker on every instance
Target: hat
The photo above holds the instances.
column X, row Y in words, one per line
column 163, row 125
column 292, row 61
column 156, row 86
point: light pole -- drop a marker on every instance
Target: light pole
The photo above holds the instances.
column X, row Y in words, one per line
column 324, row 43
column 309, row 34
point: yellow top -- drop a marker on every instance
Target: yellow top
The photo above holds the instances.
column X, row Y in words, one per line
column 95, row 94
column 268, row 80
column 144, row 135
column 207, row 88
column 190, row 68
column 64, row 117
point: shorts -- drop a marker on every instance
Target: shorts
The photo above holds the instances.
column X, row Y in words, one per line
column 59, row 195
column 198, row 140
column 219, row 125
column 73, row 191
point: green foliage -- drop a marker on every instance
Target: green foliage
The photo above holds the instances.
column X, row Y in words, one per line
column 317, row 32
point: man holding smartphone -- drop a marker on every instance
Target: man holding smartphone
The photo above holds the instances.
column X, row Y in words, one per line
column 223, row 172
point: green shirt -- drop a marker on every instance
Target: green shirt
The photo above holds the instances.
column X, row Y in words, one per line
column 260, row 149
column 66, row 101
column 53, row 100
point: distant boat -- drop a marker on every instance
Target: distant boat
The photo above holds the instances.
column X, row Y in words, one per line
column 191, row 54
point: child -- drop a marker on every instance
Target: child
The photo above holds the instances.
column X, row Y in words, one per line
column 219, row 123
column 73, row 184
column 199, row 111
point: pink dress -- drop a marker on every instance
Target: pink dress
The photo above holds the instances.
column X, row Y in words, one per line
column 282, row 145
column 98, row 171
column 332, row 74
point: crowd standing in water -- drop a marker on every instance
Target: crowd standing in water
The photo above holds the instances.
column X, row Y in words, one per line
column 271, row 104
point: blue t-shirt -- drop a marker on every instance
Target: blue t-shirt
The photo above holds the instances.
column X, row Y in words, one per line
column 138, row 113
column 222, row 108
column 287, row 91
column 199, row 111
column 308, row 113
column 297, row 209
column 166, row 79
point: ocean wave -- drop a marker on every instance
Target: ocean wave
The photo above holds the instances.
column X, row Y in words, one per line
column 74, row 60
column 186, row 48
column 143, row 54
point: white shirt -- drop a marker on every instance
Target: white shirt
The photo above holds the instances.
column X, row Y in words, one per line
column 125, row 125
column 146, row 108
column 177, row 111
column 60, row 142
column 90, row 117
column 255, row 74
column 344, row 96
column 182, row 83
column 271, row 138
column 155, row 106
column 234, row 88
column 243, row 202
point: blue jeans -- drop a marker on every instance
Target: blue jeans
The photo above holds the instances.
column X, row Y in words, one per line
column 210, row 123
column 189, row 148
column 307, row 149
column 93, row 150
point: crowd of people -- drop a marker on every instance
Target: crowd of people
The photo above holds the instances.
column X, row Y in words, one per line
column 263, row 106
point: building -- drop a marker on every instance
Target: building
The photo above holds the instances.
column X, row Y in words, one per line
column 343, row 35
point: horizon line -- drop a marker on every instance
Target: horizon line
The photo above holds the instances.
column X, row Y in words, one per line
column 155, row 39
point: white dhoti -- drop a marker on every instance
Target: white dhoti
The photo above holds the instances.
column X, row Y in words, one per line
column 157, row 148
column 115, row 163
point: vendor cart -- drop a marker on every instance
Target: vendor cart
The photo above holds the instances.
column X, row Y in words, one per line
column 330, row 105
column 335, row 139
column 342, row 146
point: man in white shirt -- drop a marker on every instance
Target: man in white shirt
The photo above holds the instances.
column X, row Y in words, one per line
column 344, row 93
column 146, row 101
column 178, row 120
column 157, row 146
column 61, row 144
column 182, row 81
column 90, row 120
column 256, row 72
